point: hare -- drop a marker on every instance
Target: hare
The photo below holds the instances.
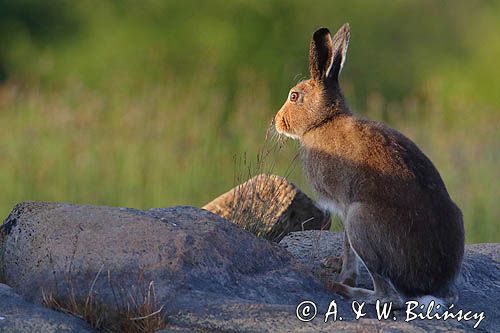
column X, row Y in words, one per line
column 399, row 219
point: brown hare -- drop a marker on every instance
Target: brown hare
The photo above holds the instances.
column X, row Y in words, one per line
column 399, row 219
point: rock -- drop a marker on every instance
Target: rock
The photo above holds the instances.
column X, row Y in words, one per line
column 312, row 247
column 479, row 280
column 182, row 257
column 270, row 207
column 195, row 272
column 18, row 315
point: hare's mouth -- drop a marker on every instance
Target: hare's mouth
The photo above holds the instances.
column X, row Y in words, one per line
column 282, row 127
column 277, row 132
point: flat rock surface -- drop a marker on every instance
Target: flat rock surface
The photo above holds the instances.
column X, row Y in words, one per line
column 18, row 315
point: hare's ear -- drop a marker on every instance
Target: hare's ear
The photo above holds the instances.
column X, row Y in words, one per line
column 320, row 54
column 327, row 56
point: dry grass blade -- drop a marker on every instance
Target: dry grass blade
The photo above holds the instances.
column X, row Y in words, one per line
column 259, row 199
column 139, row 313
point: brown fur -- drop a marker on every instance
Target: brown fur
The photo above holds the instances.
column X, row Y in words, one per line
column 398, row 216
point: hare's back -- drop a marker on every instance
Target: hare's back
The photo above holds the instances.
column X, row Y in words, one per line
column 392, row 154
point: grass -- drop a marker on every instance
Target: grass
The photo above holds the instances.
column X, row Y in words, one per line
column 150, row 150
column 150, row 105
column 135, row 310
column 259, row 199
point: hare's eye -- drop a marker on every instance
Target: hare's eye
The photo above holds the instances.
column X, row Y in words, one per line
column 294, row 96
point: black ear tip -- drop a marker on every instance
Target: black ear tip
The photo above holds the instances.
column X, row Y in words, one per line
column 320, row 33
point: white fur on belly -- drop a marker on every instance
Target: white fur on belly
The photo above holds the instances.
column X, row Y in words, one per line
column 332, row 206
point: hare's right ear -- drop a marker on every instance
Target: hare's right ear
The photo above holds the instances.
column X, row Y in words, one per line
column 327, row 56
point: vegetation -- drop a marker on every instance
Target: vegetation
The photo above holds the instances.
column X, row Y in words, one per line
column 153, row 103
column 138, row 310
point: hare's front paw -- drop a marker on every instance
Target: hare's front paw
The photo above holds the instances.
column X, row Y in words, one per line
column 346, row 276
column 348, row 281
column 338, row 288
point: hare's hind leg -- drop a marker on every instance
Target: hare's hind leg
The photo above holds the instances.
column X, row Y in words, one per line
column 349, row 271
column 450, row 293
column 366, row 243
column 383, row 291
column 346, row 264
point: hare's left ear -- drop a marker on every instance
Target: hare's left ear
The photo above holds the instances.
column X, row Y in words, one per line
column 327, row 56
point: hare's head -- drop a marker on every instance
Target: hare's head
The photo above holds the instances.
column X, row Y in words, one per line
column 312, row 102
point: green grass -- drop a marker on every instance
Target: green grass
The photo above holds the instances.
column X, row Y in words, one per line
column 154, row 105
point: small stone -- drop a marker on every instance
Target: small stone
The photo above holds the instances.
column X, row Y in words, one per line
column 270, row 207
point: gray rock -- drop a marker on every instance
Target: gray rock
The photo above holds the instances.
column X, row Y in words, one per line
column 270, row 207
column 18, row 315
column 479, row 281
column 192, row 257
column 207, row 274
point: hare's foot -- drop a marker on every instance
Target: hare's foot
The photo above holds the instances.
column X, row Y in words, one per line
column 384, row 292
column 348, row 280
column 450, row 294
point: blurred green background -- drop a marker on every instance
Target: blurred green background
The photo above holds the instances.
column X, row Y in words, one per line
column 160, row 103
